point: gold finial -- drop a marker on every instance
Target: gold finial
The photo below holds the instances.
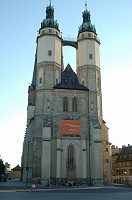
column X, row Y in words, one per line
column 86, row 5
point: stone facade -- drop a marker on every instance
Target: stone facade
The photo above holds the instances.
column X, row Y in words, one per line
column 64, row 134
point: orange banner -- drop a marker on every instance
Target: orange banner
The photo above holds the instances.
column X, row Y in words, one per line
column 70, row 127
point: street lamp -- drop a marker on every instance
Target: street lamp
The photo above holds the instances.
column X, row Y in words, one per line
column 125, row 177
column 27, row 163
column 125, row 172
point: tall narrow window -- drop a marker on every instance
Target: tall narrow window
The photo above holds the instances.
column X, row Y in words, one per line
column 56, row 81
column 57, row 76
column 74, row 104
column 49, row 52
column 65, row 104
column 82, row 35
column 70, row 160
column 83, row 83
column 48, row 104
column 40, row 80
column 89, row 34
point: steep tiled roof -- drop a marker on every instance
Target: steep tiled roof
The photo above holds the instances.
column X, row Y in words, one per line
column 69, row 80
column 17, row 168
column 125, row 154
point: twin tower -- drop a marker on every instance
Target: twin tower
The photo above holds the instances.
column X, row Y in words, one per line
column 65, row 131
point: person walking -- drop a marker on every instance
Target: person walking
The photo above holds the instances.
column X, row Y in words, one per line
column 33, row 186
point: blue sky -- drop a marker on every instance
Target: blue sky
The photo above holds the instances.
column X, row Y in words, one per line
column 20, row 20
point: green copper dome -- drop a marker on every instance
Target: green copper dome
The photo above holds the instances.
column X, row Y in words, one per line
column 49, row 21
column 86, row 25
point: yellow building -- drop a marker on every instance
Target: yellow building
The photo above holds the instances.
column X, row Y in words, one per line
column 122, row 165
column 16, row 172
column 106, row 148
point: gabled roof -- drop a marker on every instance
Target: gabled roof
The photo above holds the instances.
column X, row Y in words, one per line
column 69, row 80
column 17, row 168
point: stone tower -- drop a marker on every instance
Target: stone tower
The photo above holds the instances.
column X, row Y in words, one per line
column 63, row 138
column 88, row 71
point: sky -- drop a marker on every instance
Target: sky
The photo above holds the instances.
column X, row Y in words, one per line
column 20, row 22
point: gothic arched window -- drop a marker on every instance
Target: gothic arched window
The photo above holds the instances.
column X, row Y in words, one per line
column 65, row 104
column 70, row 160
column 83, row 83
column 74, row 104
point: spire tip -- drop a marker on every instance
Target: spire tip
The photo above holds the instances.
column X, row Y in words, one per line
column 86, row 5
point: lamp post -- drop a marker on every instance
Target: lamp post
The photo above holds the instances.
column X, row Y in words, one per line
column 27, row 163
column 125, row 177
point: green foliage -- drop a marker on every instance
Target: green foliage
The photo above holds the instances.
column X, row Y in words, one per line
column 2, row 167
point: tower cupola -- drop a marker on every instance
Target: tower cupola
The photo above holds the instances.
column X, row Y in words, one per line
column 86, row 25
column 49, row 21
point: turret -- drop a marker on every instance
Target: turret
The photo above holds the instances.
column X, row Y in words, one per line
column 49, row 52
column 86, row 25
column 49, row 21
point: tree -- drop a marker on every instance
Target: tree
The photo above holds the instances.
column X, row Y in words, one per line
column 2, row 167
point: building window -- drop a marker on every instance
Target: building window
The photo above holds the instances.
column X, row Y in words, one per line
column 117, row 172
column 107, row 160
column 130, row 171
column 82, row 35
column 106, row 149
column 48, row 104
column 95, row 36
column 40, row 80
column 57, row 77
column 91, row 56
column 83, row 83
column 74, row 104
column 92, row 107
column 65, row 104
column 70, row 160
column 50, row 30
column 57, row 81
column 43, row 32
column 49, row 52
column 89, row 34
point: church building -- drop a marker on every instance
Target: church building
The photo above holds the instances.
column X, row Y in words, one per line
column 66, row 137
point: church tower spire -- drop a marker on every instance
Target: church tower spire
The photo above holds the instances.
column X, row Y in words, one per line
column 86, row 14
column 86, row 25
column 49, row 21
